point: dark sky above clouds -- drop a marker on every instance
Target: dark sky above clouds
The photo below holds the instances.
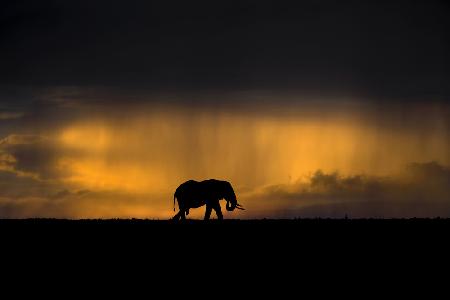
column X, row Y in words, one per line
column 383, row 49
column 305, row 106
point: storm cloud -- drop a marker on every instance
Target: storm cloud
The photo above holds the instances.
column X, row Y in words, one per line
column 371, row 49
column 419, row 190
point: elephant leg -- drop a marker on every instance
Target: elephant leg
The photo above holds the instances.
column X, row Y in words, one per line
column 179, row 215
column 218, row 211
column 208, row 212
column 182, row 215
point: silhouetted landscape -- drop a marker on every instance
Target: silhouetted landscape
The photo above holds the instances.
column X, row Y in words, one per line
column 232, row 222
column 165, row 109
column 292, row 231
column 268, row 247
column 192, row 145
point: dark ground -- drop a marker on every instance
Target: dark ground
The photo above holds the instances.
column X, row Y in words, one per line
column 294, row 254
column 288, row 232
column 230, row 242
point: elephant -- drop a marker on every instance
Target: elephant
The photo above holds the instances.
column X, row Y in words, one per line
column 194, row 194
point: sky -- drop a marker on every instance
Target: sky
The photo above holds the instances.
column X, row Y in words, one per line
column 314, row 109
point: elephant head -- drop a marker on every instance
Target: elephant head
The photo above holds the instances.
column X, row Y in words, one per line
column 230, row 197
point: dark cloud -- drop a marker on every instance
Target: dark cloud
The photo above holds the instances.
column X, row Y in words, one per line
column 50, row 109
column 38, row 157
column 430, row 173
column 422, row 190
column 24, row 197
column 30, row 155
column 377, row 48
column 8, row 115
column 38, row 199
column 14, row 186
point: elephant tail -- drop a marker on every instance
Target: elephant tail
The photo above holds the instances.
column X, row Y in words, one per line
column 174, row 202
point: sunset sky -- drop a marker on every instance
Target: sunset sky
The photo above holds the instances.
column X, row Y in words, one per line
column 322, row 109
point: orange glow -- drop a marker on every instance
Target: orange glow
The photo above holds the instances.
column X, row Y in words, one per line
column 157, row 152
column 150, row 156
column 129, row 164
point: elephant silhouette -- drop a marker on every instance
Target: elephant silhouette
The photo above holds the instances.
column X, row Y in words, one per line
column 194, row 194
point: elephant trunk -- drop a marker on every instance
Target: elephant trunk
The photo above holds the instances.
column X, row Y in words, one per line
column 231, row 205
